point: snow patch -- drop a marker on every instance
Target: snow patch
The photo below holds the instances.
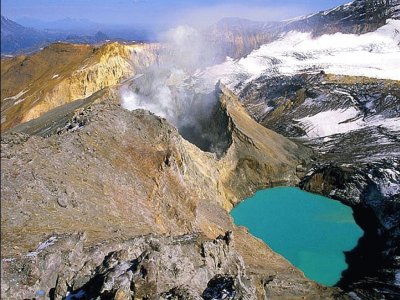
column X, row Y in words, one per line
column 8, row 259
column 392, row 124
column 392, row 173
column 78, row 295
column 83, row 67
column 55, row 76
column 49, row 242
column 19, row 101
column 397, row 278
column 17, row 96
column 374, row 54
column 354, row 296
column 390, row 187
column 331, row 122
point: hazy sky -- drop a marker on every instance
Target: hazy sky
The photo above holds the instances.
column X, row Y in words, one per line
column 169, row 12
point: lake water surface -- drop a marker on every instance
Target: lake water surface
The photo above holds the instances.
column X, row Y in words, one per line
column 309, row 230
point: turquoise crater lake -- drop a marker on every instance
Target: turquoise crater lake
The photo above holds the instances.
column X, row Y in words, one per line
column 311, row 231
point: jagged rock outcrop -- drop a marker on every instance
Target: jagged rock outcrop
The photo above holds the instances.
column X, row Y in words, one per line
column 62, row 73
column 183, row 267
column 255, row 152
column 120, row 175
column 359, row 16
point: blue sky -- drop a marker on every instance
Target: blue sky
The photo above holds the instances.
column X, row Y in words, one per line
column 168, row 12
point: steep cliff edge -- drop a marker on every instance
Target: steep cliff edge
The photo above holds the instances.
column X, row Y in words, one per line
column 352, row 124
column 122, row 175
column 258, row 157
column 61, row 73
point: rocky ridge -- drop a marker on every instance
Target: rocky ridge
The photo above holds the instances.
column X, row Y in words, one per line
column 133, row 185
column 62, row 73
column 352, row 125
column 238, row 37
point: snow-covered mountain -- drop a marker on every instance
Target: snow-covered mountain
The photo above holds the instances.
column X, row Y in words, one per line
column 331, row 81
column 374, row 54
column 238, row 37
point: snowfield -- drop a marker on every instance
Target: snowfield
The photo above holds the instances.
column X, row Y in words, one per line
column 332, row 122
column 375, row 54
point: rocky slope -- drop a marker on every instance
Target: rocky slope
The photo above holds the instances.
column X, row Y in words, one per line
column 133, row 186
column 338, row 94
column 61, row 73
column 353, row 125
column 238, row 37
column 101, row 202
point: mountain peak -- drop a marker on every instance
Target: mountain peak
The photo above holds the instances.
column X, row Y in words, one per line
column 101, row 36
column 9, row 27
column 357, row 17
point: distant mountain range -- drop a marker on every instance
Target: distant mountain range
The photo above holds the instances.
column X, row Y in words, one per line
column 78, row 26
column 35, row 34
column 16, row 37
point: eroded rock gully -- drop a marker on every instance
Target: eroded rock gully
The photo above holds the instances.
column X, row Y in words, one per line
column 122, row 207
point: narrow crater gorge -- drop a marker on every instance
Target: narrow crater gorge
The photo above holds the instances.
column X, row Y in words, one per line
column 210, row 131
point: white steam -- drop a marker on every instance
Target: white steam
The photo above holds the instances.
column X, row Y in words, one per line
column 167, row 88
column 171, row 90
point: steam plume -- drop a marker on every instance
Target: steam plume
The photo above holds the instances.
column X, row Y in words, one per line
column 169, row 90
